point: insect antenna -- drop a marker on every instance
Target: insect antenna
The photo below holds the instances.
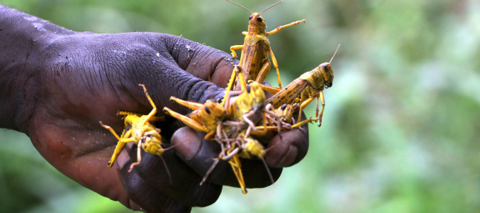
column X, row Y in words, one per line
column 334, row 54
column 273, row 5
column 165, row 163
column 270, row 148
column 166, row 168
column 268, row 170
column 214, row 164
column 240, row 5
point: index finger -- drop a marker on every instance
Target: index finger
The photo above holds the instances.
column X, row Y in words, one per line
column 200, row 60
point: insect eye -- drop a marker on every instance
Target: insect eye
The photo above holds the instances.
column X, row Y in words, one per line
column 325, row 67
column 143, row 139
column 249, row 17
column 284, row 106
column 259, row 19
column 248, row 88
column 207, row 110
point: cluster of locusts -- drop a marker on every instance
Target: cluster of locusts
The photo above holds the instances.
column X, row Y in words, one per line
column 234, row 120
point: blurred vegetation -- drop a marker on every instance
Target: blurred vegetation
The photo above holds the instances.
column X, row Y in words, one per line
column 401, row 129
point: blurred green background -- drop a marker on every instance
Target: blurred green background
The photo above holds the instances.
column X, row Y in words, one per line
column 401, row 127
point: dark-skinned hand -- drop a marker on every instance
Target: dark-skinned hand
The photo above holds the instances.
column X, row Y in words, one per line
column 56, row 85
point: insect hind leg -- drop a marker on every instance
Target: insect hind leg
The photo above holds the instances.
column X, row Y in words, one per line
column 154, row 110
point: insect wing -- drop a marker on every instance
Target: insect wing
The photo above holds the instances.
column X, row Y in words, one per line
column 288, row 94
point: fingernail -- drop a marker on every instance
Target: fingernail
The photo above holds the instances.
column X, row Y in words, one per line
column 122, row 159
column 280, row 156
column 187, row 143
column 289, row 157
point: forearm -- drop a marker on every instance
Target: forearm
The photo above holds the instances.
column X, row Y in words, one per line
column 21, row 37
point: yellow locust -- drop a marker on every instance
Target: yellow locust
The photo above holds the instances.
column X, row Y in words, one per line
column 140, row 130
column 254, row 61
column 304, row 89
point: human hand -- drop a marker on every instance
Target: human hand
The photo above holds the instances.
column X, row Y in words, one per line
column 74, row 80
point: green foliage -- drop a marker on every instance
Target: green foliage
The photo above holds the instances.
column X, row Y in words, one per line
column 401, row 123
